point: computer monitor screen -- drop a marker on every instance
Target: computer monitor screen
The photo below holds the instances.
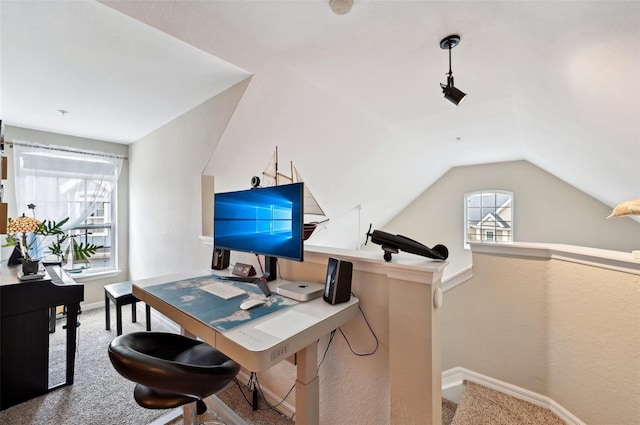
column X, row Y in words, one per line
column 266, row 221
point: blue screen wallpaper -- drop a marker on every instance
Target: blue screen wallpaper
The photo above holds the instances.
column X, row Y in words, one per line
column 263, row 221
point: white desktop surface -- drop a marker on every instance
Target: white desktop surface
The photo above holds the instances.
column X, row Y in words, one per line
column 264, row 342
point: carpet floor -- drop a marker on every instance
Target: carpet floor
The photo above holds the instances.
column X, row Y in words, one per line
column 99, row 394
column 483, row 406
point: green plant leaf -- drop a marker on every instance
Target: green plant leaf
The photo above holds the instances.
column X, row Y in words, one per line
column 84, row 252
column 10, row 241
column 50, row 227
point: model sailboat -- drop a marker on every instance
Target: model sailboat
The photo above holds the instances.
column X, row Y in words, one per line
column 76, row 262
column 313, row 213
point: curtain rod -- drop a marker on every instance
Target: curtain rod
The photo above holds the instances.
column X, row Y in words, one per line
column 65, row 149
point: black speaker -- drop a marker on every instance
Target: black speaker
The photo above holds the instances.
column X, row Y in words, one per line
column 337, row 285
column 220, row 259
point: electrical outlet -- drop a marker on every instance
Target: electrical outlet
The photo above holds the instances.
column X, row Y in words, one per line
column 279, row 352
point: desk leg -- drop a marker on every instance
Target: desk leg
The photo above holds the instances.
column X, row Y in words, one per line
column 189, row 411
column 189, row 414
column 52, row 319
column 72, row 325
column 308, row 386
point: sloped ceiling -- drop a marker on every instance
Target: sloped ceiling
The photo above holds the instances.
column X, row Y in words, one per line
column 355, row 102
column 116, row 78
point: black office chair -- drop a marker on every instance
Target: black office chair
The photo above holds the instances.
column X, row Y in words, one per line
column 171, row 370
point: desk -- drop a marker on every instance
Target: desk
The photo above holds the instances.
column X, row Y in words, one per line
column 262, row 343
column 24, row 332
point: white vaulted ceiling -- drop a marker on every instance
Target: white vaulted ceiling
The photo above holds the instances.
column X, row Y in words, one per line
column 118, row 78
column 353, row 100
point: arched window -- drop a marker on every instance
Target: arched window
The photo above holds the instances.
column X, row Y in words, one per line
column 488, row 216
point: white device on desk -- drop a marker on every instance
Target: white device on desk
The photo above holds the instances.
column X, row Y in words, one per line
column 249, row 304
column 301, row 291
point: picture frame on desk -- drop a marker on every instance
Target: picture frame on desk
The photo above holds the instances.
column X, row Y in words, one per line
column 16, row 256
column 244, row 270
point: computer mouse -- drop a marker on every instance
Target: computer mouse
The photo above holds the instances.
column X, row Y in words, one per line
column 251, row 304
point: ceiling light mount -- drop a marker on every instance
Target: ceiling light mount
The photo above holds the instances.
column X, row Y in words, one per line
column 341, row 7
column 450, row 42
column 451, row 93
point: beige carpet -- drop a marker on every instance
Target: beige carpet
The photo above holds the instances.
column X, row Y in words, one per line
column 99, row 394
column 448, row 411
column 238, row 403
column 483, row 406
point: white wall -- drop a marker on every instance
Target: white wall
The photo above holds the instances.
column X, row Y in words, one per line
column 400, row 383
column 165, row 191
column 93, row 291
column 563, row 329
column 546, row 209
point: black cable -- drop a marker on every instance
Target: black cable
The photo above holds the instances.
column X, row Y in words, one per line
column 260, row 264
column 273, row 407
column 255, row 383
column 372, row 333
column 259, row 389
column 326, row 350
column 241, row 390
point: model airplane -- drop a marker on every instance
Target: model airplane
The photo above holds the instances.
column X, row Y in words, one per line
column 392, row 244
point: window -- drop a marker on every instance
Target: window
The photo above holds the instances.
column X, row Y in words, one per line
column 81, row 185
column 488, row 217
column 97, row 229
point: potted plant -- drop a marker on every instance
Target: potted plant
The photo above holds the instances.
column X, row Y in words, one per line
column 18, row 235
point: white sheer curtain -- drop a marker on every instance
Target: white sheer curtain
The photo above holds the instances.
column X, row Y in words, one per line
column 62, row 182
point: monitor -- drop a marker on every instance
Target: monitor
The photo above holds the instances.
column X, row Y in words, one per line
column 266, row 220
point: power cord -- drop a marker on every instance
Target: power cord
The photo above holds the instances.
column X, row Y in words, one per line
column 253, row 381
column 278, row 272
column 372, row 333
column 260, row 264
column 326, row 350
column 333, row 333
column 254, row 384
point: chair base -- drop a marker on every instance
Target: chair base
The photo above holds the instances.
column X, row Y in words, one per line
column 153, row 399
column 223, row 414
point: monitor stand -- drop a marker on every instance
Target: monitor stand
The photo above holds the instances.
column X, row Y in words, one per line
column 270, row 268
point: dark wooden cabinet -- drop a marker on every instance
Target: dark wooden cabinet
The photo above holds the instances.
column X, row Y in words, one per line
column 24, row 331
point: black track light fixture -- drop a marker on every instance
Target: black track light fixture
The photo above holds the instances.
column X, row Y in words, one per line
column 451, row 93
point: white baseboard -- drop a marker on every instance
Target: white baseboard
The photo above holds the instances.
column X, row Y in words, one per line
column 140, row 312
column 92, row 306
column 453, row 387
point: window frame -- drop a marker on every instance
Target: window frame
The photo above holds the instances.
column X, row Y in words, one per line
column 485, row 231
column 38, row 167
column 112, row 226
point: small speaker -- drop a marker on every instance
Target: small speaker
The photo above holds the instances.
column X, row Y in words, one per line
column 220, row 259
column 337, row 285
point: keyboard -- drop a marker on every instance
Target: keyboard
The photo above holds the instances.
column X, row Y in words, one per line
column 223, row 290
column 53, row 275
